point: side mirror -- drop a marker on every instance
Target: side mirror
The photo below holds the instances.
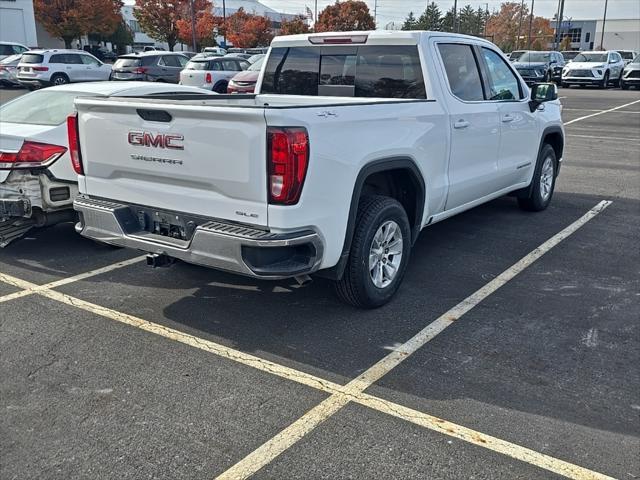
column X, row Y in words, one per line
column 612, row 60
column 542, row 92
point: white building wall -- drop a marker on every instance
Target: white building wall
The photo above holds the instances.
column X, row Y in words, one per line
column 619, row 34
column 17, row 22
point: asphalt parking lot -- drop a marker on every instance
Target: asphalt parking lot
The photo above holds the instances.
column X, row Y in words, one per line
column 510, row 352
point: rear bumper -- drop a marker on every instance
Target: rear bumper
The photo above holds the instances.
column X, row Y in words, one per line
column 215, row 244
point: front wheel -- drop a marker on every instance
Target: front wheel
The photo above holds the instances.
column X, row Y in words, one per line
column 605, row 81
column 379, row 253
column 543, row 183
column 623, row 85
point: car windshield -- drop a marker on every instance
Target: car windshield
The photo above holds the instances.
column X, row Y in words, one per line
column 636, row 59
column 515, row 56
column 11, row 59
column 626, row 55
column 44, row 107
column 569, row 55
column 535, row 57
column 256, row 66
column 197, row 65
column 591, row 57
column 127, row 62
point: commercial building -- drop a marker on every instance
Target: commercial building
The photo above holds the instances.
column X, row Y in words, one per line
column 619, row 34
column 17, row 22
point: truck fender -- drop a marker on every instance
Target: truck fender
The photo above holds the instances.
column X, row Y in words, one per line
column 377, row 166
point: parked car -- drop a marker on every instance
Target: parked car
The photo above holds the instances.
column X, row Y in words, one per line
column 540, row 66
column 9, row 71
column 37, row 181
column 42, row 68
column 569, row 55
column 244, row 56
column 627, row 55
column 593, row 68
column 631, row 74
column 189, row 54
column 245, row 81
column 254, row 58
column 151, row 48
column 152, row 66
column 8, row 49
column 516, row 54
column 289, row 183
column 212, row 73
column 216, row 50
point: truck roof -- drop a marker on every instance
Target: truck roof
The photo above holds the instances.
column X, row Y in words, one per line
column 370, row 37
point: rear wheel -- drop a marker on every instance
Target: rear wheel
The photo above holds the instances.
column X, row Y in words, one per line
column 543, row 183
column 379, row 253
column 220, row 87
column 59, row 79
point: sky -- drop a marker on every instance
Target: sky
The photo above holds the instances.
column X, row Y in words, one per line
column 397, row 10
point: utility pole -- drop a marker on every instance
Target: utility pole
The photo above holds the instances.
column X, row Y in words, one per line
column 530, row 25
column 519, row 25
column 455, row 15
column 604, row 20
column 193, row 28
column 224, row 23
column 375, row 13
column 559, row 24
column 486, row 18
column 315, row 15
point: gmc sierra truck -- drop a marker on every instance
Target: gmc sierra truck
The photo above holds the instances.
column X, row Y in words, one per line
column 352, row 144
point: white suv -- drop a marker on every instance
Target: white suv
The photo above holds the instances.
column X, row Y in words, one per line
column 593, row 68
column 41, row 68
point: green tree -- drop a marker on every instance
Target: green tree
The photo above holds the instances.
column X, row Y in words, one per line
column 447, row 21
column 467, row 21
column 410, row 23
column 431, row 18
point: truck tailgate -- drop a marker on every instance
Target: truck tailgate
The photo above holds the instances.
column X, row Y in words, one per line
column 204, row 160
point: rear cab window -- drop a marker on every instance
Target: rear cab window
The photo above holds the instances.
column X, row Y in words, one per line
column 363, row 71
column 462, row 71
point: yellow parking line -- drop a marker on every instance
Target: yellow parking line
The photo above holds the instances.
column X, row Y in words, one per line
column 272, row 448
column 29, row 288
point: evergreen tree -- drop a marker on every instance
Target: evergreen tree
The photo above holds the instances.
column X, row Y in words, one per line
column 467, row 21
column 410, row 23
column 431, row 18
column 447, row 21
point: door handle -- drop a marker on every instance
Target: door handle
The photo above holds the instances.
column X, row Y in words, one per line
column 508, row 118
column 461, row 124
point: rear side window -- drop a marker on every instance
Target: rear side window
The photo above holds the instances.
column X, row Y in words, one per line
column 230, row 65
column 32, row 58
column 366, row 71
column 462, row 71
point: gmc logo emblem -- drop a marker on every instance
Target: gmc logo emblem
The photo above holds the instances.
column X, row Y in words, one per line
column 160, row 140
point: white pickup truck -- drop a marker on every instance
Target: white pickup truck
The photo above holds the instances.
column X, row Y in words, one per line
column 354, row 142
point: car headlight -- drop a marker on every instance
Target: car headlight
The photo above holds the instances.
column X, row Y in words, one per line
column 598, row 66
column 625, row 71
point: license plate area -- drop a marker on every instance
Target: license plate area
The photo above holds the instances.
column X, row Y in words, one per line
column 166, row 224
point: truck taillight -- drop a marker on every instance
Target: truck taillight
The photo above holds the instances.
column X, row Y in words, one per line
column 207, row 78
column 288, row 158
column 31, row 155
column 74, row 144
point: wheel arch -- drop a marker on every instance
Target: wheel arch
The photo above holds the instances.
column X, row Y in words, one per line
column 396, row 177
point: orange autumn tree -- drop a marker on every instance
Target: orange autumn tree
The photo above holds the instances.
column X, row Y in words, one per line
column 344, row 17
column 502, row 27
column 294, row 26
column 70, row 19
column 244, row 30
column 206, row 25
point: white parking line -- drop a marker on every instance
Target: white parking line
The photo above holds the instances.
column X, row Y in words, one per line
column 29, row 288
column 600, row 113
column 627, row 139
column 354, row 390
column 305, row 424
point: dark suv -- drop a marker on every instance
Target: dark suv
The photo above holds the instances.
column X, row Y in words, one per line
column 156, row 66
column 540, row 66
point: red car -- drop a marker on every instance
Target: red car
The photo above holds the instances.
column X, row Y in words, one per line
column 245, row 81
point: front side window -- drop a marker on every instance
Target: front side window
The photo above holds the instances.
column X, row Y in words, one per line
column 462, row 71
column 87, row 60
column 503, row 83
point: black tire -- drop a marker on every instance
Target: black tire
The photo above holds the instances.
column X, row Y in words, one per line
column 220, row 87
column 59, row 79
column 535, row 201
column 357, row 287
column 605, row 81
column 623, row 85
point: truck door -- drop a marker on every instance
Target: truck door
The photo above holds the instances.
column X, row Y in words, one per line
column 519, row 138
column 474, row 124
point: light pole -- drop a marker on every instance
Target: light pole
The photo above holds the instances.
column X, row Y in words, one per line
column 455, row 15
column 604, row 20
column 530, row 25
column 224, row 23
column 519, row 24
column 193, row 28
